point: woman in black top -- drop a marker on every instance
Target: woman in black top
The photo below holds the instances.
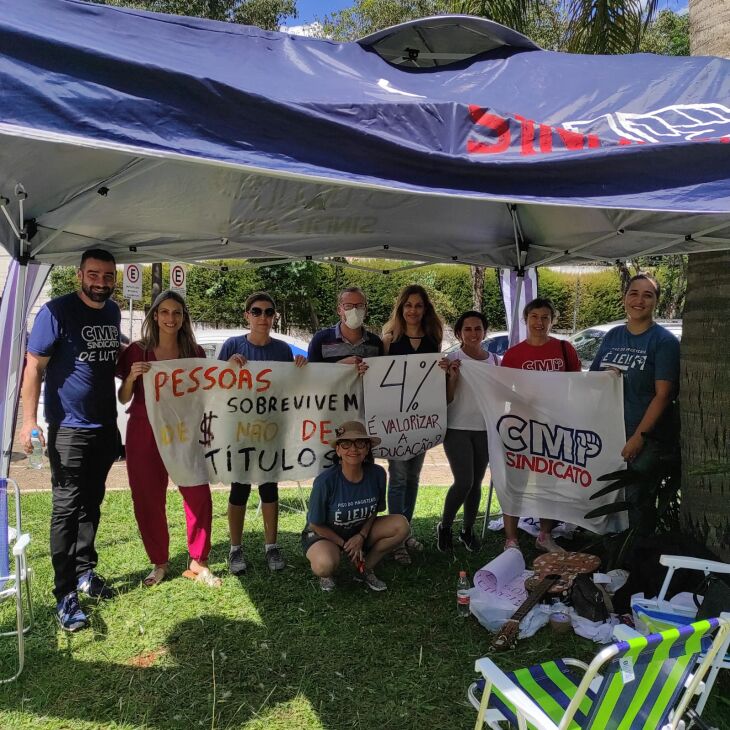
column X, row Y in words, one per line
column 414, row 328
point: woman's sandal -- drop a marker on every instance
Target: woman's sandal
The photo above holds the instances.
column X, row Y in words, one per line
column 157, row 575
column 401, row 556
column 204, row 576
column 413, row 544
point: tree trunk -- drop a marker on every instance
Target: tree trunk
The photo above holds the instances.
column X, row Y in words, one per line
column 705, row 402
column 705, row 367
column 709, row 28
column 477, row 287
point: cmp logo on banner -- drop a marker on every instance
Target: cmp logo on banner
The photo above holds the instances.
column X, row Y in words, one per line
column 551, row 435
column 265, row 422
column 405, row 404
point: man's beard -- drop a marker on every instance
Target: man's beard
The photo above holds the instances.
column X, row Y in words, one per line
column 97, row 296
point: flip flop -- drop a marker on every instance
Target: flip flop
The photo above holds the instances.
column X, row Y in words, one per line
column 204, row 576
column 157, row 575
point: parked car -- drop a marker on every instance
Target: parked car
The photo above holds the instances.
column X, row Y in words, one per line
column 587, row 341
column 212, row 340
column 495, row 342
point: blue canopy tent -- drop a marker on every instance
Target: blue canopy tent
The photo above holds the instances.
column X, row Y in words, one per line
column 447, row 139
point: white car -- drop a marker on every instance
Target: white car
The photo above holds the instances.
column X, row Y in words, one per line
column 212, row 340
column 587, row 341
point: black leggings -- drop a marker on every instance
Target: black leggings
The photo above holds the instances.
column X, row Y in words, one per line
column 468, row 457
column 268, row 492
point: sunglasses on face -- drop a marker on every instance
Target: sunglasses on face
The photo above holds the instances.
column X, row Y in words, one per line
column 258, row 312
column 357, row 443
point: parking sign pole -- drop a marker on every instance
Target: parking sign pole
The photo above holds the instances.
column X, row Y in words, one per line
column 131, row 314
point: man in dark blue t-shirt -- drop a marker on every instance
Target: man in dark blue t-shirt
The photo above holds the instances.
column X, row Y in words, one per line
column 74, row 343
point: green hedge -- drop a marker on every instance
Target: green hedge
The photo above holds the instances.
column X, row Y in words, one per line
column 306, row 293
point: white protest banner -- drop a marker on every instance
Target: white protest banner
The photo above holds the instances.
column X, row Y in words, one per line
column 551, row 435
column 405, row 404
column 266, row 422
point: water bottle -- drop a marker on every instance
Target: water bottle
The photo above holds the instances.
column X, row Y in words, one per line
column 35, row 459
column 462, row 594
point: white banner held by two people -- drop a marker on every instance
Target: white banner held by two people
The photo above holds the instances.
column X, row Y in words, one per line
column 551, row 435
column 405, row 404
column 265, row 422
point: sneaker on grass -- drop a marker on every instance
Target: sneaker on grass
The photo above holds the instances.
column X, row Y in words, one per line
column 274, row 559
column 444, row 538
column 236, row 562
column 94, row 586
column 69, row 614
column 470, row 541
column 327, row 584
column 373, row 582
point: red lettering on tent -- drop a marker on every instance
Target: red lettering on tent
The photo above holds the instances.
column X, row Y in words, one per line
column 572, row 140
column 492, row 122
column 527, row 136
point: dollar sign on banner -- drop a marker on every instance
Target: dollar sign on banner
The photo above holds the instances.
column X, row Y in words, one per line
column 206, row 428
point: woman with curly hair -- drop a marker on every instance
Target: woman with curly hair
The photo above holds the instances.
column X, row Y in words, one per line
column 414, row 328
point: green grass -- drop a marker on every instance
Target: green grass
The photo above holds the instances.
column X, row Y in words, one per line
column 265, row 651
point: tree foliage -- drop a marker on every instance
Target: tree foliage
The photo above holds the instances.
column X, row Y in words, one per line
column 267, row 14
column 668, row 35
column 580, row 26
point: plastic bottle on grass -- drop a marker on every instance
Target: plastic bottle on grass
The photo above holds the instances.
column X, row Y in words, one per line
column 35, row 458
column 462, row 594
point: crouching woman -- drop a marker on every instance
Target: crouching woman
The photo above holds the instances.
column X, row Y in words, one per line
column 343, row 512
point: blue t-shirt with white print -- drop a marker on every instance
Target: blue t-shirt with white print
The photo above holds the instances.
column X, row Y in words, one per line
column 274, row 351
column 643, row 359
column 345, row 506
column 82, row 343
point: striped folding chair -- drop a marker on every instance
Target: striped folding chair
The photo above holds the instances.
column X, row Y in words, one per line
column 647, row 683
column 16, row 585
column 652, row 615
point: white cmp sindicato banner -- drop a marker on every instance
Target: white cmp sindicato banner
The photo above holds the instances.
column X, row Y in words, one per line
column 551, row 435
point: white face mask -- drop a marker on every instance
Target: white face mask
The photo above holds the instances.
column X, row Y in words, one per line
column 354, row 318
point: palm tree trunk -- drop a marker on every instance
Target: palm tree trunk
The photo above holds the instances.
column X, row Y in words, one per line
column 705, row 402
column 705, row 368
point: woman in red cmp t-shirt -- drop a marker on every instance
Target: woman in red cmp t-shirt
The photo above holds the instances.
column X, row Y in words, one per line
column 539, row 352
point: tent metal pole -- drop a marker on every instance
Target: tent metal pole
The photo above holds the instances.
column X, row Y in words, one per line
column 16, row 356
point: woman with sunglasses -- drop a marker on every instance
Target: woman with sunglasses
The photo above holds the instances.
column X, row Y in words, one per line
column 167, row 334
column 414, row 328
column 258, row 345
column 343, row 512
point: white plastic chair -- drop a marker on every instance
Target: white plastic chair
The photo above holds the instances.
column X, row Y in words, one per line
column 658, row 614
column 15, row 585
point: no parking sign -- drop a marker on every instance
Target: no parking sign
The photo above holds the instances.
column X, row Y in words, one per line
column 132, row 283
column 178, row 279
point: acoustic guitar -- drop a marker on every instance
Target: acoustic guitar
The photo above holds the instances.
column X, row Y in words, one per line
column 554, row 575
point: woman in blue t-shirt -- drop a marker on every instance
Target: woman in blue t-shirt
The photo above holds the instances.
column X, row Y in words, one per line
column 258, row 346
column 343, row 511
column 647, row 356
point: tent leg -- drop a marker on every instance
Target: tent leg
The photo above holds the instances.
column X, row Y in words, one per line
column 488, row 510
